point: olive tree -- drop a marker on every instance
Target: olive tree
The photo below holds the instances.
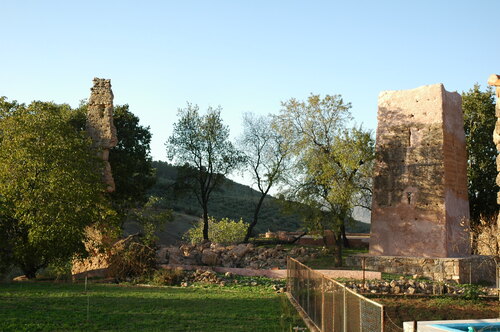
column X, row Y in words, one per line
column 201, row 145
column 267, row 157
column 332, row 164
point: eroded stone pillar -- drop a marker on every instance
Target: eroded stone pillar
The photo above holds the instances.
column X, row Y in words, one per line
column 494, row 80
column 420, row 205
column 100, row 125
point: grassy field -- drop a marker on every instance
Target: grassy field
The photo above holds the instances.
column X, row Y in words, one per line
column 106, row 307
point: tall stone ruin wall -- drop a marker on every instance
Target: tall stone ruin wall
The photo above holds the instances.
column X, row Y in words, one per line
column 420, row 205
column 100, row 125
column 490, row 237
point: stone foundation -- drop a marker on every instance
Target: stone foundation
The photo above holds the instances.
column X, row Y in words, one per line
column 472, row 269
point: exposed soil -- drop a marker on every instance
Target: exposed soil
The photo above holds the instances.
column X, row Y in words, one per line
column 404, row 309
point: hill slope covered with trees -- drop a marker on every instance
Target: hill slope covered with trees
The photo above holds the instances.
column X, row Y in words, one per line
column 233, row 201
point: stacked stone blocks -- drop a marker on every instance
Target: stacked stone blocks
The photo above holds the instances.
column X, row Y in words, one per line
column 420, row 205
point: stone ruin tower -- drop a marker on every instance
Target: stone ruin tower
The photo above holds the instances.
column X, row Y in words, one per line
column 100, row 125
column 494, row 80
column 420, row 205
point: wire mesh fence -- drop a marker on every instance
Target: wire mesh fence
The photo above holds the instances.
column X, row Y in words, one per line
column 329, row 305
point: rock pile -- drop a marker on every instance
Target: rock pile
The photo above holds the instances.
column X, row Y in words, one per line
column 242, row 255
column 210, row 277
column 409, row 287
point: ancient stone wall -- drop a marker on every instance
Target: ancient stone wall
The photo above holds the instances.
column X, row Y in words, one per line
column 494, row 80
column 471, row 269
column 420, row 205
column 100, row 124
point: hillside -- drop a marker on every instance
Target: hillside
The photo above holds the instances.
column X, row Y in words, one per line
column 233, row 200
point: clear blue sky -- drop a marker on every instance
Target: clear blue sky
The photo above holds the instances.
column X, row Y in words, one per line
column 242, row 55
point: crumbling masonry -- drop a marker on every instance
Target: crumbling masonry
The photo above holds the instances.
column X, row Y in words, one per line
column 420, row 205
column 100, row 125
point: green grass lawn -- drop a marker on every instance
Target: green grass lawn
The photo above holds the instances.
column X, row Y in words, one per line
column 63, row 307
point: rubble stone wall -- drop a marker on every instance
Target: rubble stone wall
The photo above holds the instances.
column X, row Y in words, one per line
column 470, row 269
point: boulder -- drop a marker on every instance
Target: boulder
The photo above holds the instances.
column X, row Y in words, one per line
column 208, row 257
column 240, row 250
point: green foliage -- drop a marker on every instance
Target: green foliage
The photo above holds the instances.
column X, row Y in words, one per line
column 333, row 163
column 50, row 184
column 167, row 277
column 225, row 231
column 130, row 160
column 152, row 218
column 201, row 145
column 471, row 291
column 232, row 200
column 267, row 157
column 479, row 123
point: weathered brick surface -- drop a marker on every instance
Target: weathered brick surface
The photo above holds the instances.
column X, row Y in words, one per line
column 420, row 185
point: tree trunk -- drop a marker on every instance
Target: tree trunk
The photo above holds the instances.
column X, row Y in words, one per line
column 337, row 255
column 255, row 218
column 344, row 237
column 205, row 221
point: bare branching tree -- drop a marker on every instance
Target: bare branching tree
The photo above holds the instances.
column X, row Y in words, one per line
column 267, row 155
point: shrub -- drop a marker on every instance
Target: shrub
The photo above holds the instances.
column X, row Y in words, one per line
column 169, row 277
column 471, row 291
column 131, row 258
column 225, row 231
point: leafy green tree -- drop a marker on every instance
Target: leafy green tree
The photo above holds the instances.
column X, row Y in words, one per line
column 333, row 163
column 224, row 231
column 479, row 123
column 50, row 184
column 267, row 154
column 200, row 143
column 130, row 159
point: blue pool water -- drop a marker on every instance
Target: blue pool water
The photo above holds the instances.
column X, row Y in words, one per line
column 459, row 327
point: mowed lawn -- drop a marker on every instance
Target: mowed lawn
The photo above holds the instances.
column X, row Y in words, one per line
column 63, row 307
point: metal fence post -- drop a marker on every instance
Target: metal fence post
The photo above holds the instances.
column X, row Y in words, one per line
column 322, row 303
column 345, row 309
column 382, row 319
column 308, row 293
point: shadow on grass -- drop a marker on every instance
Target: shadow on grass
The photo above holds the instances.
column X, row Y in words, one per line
column 49, row 307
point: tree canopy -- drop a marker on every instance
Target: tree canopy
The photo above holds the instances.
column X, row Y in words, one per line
column 479, row 123
column 333, row 163
column 50, row 184
column 130, row 160
column 267, row 157
column 200, row 143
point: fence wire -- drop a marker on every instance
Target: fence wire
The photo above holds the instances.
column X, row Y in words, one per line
column 329, row 305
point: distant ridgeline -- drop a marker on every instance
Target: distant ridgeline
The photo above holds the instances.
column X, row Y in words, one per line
column 232, row 201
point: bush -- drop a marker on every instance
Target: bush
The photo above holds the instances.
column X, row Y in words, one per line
column 131, row 258
column 471, row 291
column 225, row 231
column 167, row 277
